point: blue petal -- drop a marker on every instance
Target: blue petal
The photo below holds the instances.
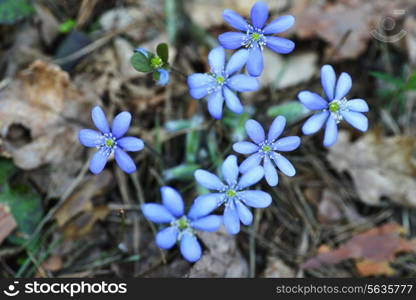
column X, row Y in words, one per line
column 259, row 14
column 243, row 83
column 215, row 104
column 124, row 161
column 98, row 161
column 255, row 62
column 130, row 143
column 343, row 86
column 284, row 165
column 231, row 219
column 198, row 93
column 232, row 101
column 229, row 169
column 198, row 80
column 245, row 147
column 231, row 40
column 190, row 247
column 251, row 177
column 288, row 143
column 234, row 20
column 163, row 77
column 157, row 213
column 276, row 128
column 172, row 200
column 280, row 45
column 90, row 138
column 270, row 172
column 331, row 132
column 256, row 199
column 204, row 205
column 166, row 238
column 279, row 25
column 121, row 124
column 312, row 101
column 328, row 79
column 245, row 215
column 356, row 119
column 208, row 180
column 315, row 122
column 99, row 119
column 255, row 131
column 250, row 162
column 357, row 105
column 237, row 61
column 209, row 223
column 142, row 51
column 216, row 60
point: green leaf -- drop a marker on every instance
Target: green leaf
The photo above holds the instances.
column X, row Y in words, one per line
column 177, row 125
column 12, row 11
column 25, row 205
column 180, row 172
column 163, row 51
column 67, row 26
column 192, row 141
column 388, row 78
column 292, row 110
column 141, row 62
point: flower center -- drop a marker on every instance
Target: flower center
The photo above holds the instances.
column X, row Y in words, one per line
column 231, row 193
column 256, row 36
column 109, row 142
column 266, row 148
column 156, row 62
column 220, row 80
column 182, row 223
column 334, row 106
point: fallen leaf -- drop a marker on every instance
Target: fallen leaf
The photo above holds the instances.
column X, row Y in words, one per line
column 7, row 222
column 53, row 263
column 372, row 250
column 221, row 259
column 328, row 211
column 379, row 166
column 332, row 20
column 276, row 268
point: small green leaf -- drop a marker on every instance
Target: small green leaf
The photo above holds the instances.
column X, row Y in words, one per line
column 12, row 11
column 180, row 172
column 67, row 26
column 292, row 110
column 141, row 62
column 176, row 125
column 163, row 51
column 156, row 75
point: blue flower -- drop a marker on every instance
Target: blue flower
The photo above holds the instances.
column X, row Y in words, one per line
column 267, row 149
column 161, row 73
column 163, row 77
column 336, row 109
column 221, row 84
column 110, row 141
column 181, row 228
column 256, row 35
column 232, row 194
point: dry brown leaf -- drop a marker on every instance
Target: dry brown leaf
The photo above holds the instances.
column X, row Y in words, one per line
column 222, row 258
column 53, row 263
column 80, row 200
column 7, row 222
column 276, row 268
column 379, row 166
column 373, row 250
column 331, row 20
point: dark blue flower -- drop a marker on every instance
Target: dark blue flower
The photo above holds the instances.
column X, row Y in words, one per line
column 267, row 149
column 256, row 35
column 335, row 109
column 180, row 227
column 221, row 84
column 163, row 77
column 110, row 141
column 231, row 193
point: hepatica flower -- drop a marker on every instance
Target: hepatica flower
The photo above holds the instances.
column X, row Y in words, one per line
column 232, row 193
column 222, row 82
column 335, row 109
column 256, row 34
column 267, row 149
column 181, row 228
column 110, row 142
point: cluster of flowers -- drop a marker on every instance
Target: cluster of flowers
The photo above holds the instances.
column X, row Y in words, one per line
column 264, row 152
